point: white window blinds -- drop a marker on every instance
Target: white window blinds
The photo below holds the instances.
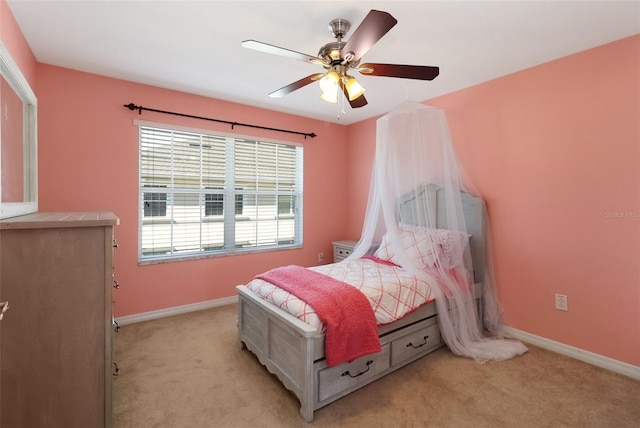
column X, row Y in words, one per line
column 205, row 194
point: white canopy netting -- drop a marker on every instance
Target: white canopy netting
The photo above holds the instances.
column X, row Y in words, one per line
column 414, row 151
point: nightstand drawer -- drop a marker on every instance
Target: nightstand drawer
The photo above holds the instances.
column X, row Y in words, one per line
column 342, row 249
column 342, row 252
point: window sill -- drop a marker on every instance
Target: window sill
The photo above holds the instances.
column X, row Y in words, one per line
column 237, row 252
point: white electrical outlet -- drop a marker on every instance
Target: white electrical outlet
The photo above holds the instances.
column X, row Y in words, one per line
column 562, row 303
column 320, row 257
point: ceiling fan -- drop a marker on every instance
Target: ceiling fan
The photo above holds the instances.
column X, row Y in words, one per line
column 339, row 57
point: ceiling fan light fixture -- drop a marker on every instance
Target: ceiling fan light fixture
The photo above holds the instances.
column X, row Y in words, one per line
column 330, row 97
column 354, row 89
column 329, row 82
column 329, row 87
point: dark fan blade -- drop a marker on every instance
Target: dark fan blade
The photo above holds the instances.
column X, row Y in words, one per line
column 295, row 85
column 361, row 101
column 270, row 49
column 375, row 25
column 420, row 72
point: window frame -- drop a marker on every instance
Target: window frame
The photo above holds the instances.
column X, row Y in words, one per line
column 28, row 158
column 240, row 198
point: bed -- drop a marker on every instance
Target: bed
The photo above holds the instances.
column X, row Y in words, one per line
column 294, row 350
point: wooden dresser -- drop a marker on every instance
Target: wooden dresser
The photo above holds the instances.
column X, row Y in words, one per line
column 56, row 272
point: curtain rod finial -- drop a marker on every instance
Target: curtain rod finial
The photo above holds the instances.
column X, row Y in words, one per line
column 132, row 106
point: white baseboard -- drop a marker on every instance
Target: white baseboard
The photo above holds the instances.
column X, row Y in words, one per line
column 579, row 354
column 176, row 310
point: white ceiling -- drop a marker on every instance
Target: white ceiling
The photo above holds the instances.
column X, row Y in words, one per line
column 194, row 46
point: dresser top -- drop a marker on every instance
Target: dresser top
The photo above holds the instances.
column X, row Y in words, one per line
column 60, row 219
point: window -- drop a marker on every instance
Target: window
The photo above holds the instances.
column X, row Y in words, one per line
column 285, row 205
column 155, row 204
column 214, row 194
column 214, row 203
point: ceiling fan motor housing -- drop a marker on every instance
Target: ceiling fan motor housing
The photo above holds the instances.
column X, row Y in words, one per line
column 331, row 52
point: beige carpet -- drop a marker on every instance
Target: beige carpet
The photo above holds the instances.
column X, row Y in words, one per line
column 188, row 371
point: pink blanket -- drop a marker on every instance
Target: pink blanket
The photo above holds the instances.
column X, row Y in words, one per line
column 351, row 324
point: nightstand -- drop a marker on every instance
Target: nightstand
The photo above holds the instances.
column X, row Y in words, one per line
column 342, row 249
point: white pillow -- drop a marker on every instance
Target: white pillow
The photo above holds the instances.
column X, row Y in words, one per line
column 418, row 247
column 452, row 243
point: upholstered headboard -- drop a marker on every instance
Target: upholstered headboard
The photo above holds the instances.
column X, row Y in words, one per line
column 431, row 198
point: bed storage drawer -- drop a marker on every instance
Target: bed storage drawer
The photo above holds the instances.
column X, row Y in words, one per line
column 421, row 339
column 346, row 377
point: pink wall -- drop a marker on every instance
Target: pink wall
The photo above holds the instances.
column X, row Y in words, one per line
column 16, row 44
column 555, row 152
column 361, row 151
column 89, row 161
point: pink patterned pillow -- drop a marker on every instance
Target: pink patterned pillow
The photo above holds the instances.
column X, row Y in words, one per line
column 418, row 247
column 452, row 243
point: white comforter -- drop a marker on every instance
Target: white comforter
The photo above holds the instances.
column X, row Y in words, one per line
column 393, row 292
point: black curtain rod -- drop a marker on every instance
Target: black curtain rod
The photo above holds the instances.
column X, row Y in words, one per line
column 132, row 106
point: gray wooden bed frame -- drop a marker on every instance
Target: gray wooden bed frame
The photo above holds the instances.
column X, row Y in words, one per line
column 294, row 351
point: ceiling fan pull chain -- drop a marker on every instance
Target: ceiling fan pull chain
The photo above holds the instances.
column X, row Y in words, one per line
column 341, row 111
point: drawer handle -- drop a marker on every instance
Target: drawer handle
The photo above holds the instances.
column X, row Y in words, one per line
column 5, row 308
column 411, row 345
column 359, row 374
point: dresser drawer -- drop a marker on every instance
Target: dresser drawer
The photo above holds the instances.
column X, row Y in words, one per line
column 336, row 380
column 421, row 340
